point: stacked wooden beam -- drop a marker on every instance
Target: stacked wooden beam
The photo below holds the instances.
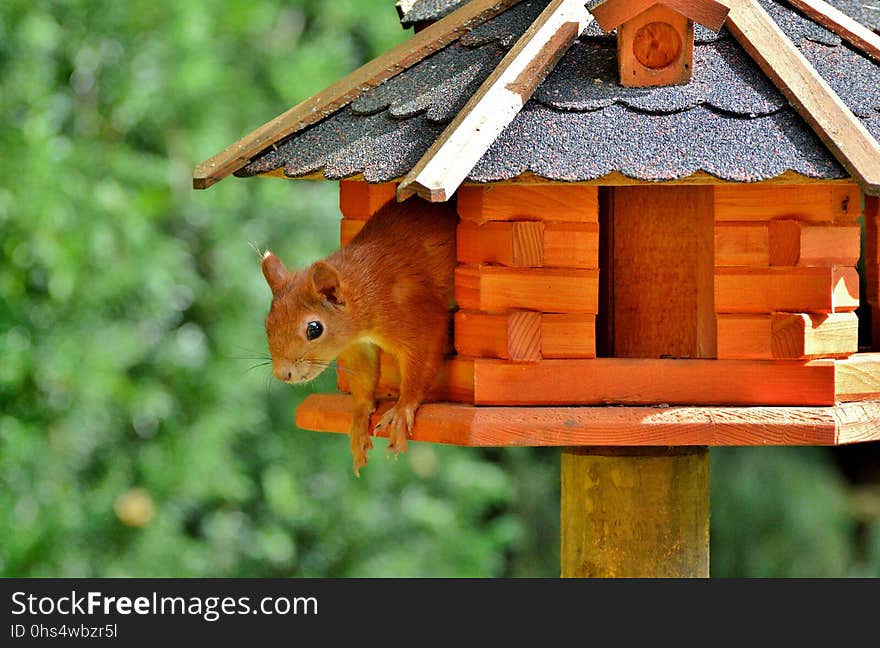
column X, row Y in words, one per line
column 781, row 332
column 528, row 281
column 786, row 284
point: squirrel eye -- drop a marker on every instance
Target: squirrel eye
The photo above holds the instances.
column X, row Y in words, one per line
column 314, row 330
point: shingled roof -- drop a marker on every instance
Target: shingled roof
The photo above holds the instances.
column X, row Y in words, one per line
column 413, row 12
column 420, row 11
column 729, row 121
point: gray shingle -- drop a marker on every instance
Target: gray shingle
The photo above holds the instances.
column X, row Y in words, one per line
column 729, row 121
column 796, row 27
column 439, row 86
column 506, row 28
column 588, row 145
column 851, row 74
column 426, row 10
column 378, row 146
column 866, row 12
column 724, row 77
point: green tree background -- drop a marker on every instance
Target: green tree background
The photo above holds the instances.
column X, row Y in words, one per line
column 136, row 439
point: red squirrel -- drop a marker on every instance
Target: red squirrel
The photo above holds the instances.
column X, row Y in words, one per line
column 390, row 288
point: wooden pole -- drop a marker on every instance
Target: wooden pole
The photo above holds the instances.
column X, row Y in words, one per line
column 644, row 512
column 635, row 512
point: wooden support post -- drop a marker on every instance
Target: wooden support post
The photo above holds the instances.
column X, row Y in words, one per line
column 645, row 512
column 635, row 512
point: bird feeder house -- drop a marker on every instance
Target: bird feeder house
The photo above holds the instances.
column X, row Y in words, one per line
column 668, row 239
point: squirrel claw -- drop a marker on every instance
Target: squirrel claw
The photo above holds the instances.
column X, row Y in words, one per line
column 360, row 444
column 399, row 423
column 360, row 460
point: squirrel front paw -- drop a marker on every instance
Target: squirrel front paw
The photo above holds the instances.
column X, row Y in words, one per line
column 361, row 443
column 399, row 421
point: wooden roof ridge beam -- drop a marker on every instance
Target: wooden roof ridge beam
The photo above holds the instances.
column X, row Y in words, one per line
column 815, row 101
column 446, row 164
column 323, row 104
column 613, row 13
column 848, row 29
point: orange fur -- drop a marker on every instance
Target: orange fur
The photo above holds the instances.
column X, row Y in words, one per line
column 389, row 288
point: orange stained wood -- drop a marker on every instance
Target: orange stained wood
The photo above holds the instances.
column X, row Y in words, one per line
column 638, row 381
column 515, row 243
column 360, row 200
column 663, row 272
column 571, row 245
column 568, row 335
column 524, row 335
column 858, row 377
column 742, row 244
column 633, row 381
column 794, row 243
column 555, row 290
column 530, row 244
column 515, row 335
column 536, row 202
column 466, row 425
column 785, row 243
column 787, row 335
column 795, row 290
column 348, row 229
column 613, row 13
column 823, row 203
column 655, row 48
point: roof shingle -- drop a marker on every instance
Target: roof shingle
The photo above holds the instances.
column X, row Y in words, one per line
column 729, row 121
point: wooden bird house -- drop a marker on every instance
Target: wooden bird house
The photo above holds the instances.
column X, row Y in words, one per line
column 643, row 273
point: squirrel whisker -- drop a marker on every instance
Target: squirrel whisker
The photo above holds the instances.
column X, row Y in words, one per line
column 259, row 364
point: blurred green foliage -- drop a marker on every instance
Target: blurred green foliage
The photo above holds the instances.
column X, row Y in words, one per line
column 136, row 439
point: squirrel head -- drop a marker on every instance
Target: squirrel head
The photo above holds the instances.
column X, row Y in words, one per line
column 308, row 324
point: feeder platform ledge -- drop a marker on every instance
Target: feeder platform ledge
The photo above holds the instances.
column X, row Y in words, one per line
column 469, row 425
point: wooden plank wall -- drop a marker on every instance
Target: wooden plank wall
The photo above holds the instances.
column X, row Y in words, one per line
column 662, row 304
column 528, row 281
column 785, row 279
column 771, row 297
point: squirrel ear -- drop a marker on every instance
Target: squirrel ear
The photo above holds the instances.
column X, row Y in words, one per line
column 274, row 271
column 325, row 282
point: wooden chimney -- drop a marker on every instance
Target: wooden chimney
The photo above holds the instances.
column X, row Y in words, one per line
column 655, row 40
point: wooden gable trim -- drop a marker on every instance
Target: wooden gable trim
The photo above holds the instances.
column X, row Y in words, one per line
column 451, row 157
column 850, row 30
column 815, row 101
column 431, row 39
column 613, row 13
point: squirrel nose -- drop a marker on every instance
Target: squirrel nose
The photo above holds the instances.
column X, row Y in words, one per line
column 283, row 372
